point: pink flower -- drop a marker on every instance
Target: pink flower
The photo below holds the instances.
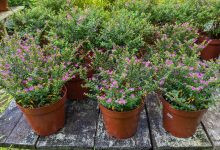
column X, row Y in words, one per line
column 193, row 88
column 169, row 62
column 73, row 76
column 26, row 89
column 101, row 97
column 30, row 79
column 132, row 96
column 31, row 88
column 127, row 60
column 191, row 68
column 109, row 100
column 147, row 64
column 162, row 82
column 19, row 50
column 121, row 101
column 204, row 82
column 131, row 89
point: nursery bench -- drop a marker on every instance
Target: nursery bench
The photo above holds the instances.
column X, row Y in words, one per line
column 84, row 129
column 5, row 14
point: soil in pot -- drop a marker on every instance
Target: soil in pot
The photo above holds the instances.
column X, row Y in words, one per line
column 212, row 50
column 121, row 125
column 4, row 5
column 179, row 123
column 75, row 91
column 46, row 120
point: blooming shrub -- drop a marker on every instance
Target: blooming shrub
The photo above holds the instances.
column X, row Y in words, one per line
column 186, row 82
column 179, row 39
column 122, row 85
column 34, row 76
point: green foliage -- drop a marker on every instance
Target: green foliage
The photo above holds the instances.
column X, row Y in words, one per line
column 186, row 82
column 179, row 39
column 27, row 3
column 122, row 84
column 31, row 20
column 79, row 24
column 126, row 28
column 34, row 76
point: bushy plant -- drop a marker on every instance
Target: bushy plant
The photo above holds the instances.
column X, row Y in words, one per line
column 141, row 6
column 126, row 28
column 122, row 84
column 186, row 82
column 31, row 20
column 27, row 3
column 80, row 24
column 33, row 75
column 179, row 39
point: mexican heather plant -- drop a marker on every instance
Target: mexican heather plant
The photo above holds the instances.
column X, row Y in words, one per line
column 33, row 75
column 179, row 39
column 186, row 82
column 126, row 28
column 122, row 85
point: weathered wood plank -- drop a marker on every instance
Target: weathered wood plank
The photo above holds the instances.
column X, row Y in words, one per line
column 140, row 141
column 165, row 141
column 8, row 121
column 211, row 122
column 79, row 131
column 22, row 136
column 6, row 14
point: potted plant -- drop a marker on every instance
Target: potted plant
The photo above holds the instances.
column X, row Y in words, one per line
column 120, row 89
column 208, row 21
column 35, row 77
column 3, row 5
column 178, row 38
column 187, row 87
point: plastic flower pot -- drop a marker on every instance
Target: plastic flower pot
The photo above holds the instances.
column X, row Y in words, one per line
column 48, row 119
column 182, row 124
column 75, row 91
column 121, row 125
column 212, row 50
column 3, row 5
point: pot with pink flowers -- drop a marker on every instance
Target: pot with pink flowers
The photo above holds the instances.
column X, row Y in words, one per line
column 120, row 88
column 35, row 77
column 186, row 92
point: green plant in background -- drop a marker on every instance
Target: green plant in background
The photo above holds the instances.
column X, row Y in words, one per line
column 34, row 76
column 179, row 39
column 126, row 28
column 27, row 3
column 141, row 6
column 186, row 82
column 5, row 99
column 80, row 24
column 122, row 85
column 30, row 20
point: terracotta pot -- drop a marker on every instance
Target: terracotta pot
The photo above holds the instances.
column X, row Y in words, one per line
column 212, row 50
column 46, row 120
column 121, row 125
column 4, row 5
column 75, row 91
column 180, row 123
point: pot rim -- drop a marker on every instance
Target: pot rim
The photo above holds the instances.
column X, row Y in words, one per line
column 181, row 112
column 124, row 114
column 36, row 111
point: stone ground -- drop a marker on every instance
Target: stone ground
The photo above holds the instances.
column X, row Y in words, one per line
column 84, row 129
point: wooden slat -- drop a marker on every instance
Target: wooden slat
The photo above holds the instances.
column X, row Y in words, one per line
column 22, row 136
column 211, row 122
column 163, row 140
column 6, row 14
column 8, row 121
column 140, row 141
column 79, row 131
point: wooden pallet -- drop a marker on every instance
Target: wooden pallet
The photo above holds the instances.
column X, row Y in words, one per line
column 84, row 129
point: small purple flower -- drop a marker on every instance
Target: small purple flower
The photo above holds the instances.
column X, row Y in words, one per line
column 147, row 64
column 132, row 96
column 109, row 100
column 169, row 62
column 31, row 88
column 122, row 101
column 131, row 89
